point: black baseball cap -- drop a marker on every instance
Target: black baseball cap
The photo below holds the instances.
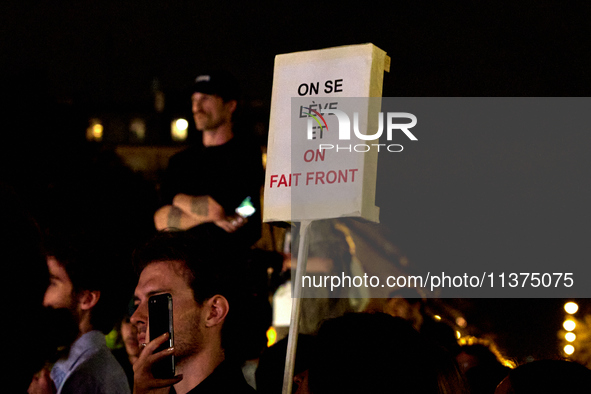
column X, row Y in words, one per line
column 218, row 82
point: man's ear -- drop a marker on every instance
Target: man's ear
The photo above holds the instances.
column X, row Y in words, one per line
column 87, row 299
column 232, row 105
column 216, row 309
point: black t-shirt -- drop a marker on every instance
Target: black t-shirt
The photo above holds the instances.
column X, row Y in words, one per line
column 228, row 173
column 226, row 378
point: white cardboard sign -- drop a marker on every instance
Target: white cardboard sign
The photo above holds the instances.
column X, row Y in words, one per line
column 303, row 180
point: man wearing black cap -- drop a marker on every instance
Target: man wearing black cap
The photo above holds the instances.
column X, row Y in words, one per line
column 205, row 184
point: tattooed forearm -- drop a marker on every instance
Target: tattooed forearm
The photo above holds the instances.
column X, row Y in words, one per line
column 174, row 217
column 199, row 205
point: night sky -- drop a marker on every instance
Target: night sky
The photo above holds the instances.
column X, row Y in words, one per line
column 108, row 55
column 109, row 52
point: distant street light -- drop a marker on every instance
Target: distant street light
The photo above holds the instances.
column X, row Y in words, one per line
column 571, row 307
column 179, row 129
column 570, row 336
column 95, row 131
column 569, row 325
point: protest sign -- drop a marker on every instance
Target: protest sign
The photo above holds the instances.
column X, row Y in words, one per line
column 303, row 178
column 304, row 182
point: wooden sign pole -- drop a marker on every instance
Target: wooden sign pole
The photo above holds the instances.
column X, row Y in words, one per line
column 296, row 301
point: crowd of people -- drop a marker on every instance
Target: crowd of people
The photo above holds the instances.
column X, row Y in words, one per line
column 79, row 270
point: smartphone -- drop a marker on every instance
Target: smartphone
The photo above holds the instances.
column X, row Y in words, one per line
column 160, row 322
column 245, row 209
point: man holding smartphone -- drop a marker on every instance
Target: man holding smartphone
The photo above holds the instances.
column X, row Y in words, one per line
column 202, row 283
column 204, row 184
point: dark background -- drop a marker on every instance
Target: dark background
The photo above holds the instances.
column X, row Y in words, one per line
column 109, row 52
column 62, row 61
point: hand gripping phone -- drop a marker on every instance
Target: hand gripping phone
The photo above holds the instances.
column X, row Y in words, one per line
column 160, row 322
